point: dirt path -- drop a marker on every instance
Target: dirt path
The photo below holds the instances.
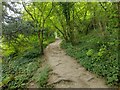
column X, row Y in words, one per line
column 66, row 72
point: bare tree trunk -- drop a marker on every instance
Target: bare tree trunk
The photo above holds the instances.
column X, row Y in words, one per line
column 42, row 51
column 39, row 35
column 42, row 48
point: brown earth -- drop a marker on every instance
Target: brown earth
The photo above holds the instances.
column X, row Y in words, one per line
column 66, row 72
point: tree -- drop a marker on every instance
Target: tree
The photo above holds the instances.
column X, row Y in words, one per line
column 39, row 14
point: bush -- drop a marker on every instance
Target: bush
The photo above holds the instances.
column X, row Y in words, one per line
column 33, row 53
column 22, row 67
column 98, row 55
column 43, row 77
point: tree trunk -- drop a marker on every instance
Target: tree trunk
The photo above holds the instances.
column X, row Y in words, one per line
column 42, row 48
column 42, row 51
column 39, row 36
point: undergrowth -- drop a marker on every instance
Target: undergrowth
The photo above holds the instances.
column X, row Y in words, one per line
column 41, row 77
column 19, row 68
column 96, row 54
column 17, row 72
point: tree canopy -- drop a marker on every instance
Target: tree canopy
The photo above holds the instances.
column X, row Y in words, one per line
column 89, row 30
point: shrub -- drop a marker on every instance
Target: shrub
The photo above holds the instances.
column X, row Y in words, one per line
column 98, row 55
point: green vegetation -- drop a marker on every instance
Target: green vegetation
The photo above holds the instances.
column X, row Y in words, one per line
column 89, row 31
column 96, row 54
column 41, row 77
column 18, row 71
column 21, row 69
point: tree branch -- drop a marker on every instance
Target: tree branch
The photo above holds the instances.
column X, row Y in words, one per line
column 56, row 27
column 28, row 12
column 49, row 13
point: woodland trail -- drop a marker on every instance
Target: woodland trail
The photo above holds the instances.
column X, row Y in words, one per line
column 66, row 72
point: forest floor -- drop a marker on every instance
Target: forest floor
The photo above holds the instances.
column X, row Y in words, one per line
column 66, row 72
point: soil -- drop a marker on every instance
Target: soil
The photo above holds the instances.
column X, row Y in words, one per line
column 66, row 72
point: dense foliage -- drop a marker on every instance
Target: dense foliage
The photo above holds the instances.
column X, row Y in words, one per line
column 96, row 54
column 88, row 29
column 18, row 70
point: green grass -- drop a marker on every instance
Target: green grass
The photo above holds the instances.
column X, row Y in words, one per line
column 96, row 54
